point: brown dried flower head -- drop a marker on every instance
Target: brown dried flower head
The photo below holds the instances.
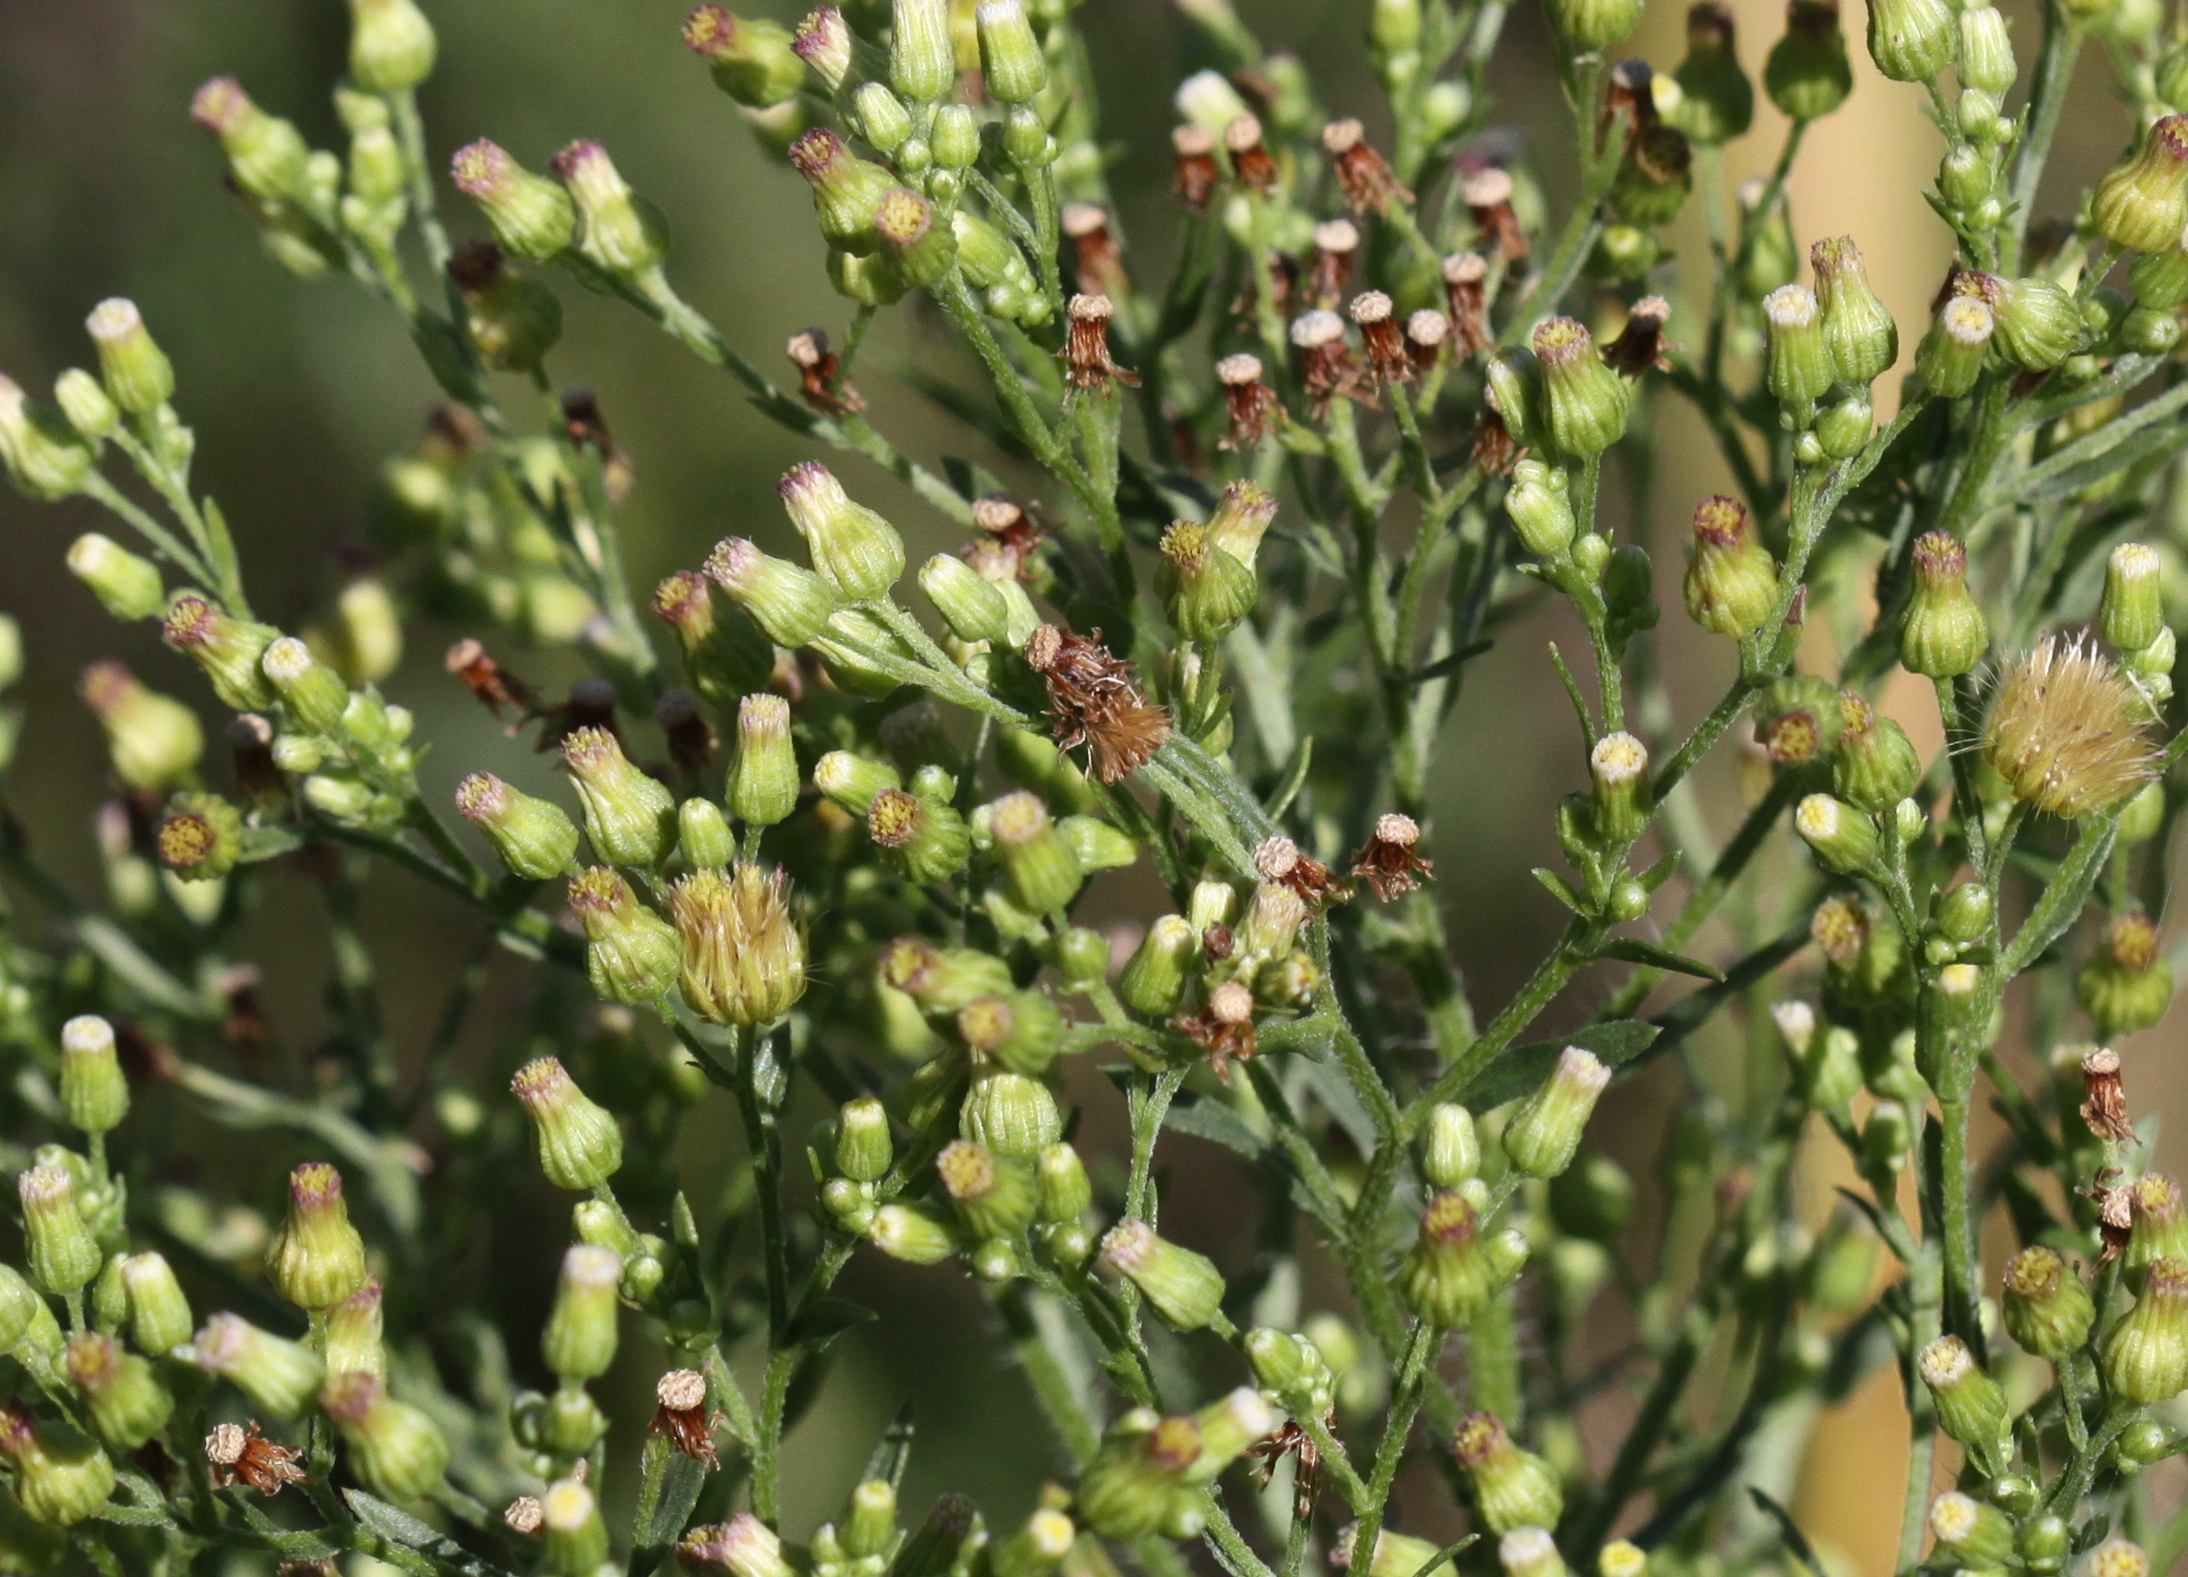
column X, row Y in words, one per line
column 1363, row 175
column 1279, row 859
column 1087, row 365
column 1390, row 861
column 681, row 1395
column 1093, row 701
column 239, row 1454
column 2104, row 1101
column 1197, row 170
column 2066, row 730
column 1250, row 156
column 819, row 375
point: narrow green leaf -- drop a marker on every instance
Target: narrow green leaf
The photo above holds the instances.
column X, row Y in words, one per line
column 1561, row 889
column 1615, row 1042
column 892, row 1453
column 1633, row 950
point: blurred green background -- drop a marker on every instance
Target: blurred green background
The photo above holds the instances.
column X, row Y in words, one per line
column 298, row 390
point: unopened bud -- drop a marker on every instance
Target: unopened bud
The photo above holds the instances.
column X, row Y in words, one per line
column 1451, row 1272
column 1912, row 40
column 580, row 1146
column 1450, row 1151
column 534, row 837
column 2132, row 614
column 63, row 1256
column 579, row 1342
column 2142, row 202
column 60, row 1475
column 1544, row 1132
column 317, row 1258
column 1731, row 582
column 1588, row 402
column 1185, row 1287
column 631, row 953
column 94, row 1094
column 855, row 550
column 136, row 372
column 1971, row 1407
column 752, row 59
column 630, row 817
column 279, row 1375
column 1945, row 634
column 159, row 1313
column 532, row 217
column 2047, row 1310
column 1843, row 839
column 395, row 1450
column 1512, row 1488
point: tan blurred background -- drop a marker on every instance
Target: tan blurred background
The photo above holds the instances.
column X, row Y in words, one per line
column 298, row 390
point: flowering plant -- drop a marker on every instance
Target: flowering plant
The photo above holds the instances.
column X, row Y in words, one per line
column 827, row 844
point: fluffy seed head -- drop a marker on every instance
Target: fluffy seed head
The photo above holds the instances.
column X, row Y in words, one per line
column 2066, row 731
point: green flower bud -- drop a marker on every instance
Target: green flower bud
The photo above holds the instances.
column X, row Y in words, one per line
column 1589, row 26
column 629, row 817
column 1807, row 74
column 1038, row 1547
column 855, row 550
column 61, row 1475
column 391, row 45
column 355, row 1332
column 1978, row 1536
column 1154, row 978
column 1449, row 1275
column 513, row 321
column 1450, row 1151
column 1859, row 337
column 200, row 837
column 846, row 191
column 618, row 232
column 395, row 1450
column 135, row 371
column 1018, row 1030
column 1843, row 430
column 1843, row 839
column 2127, row 983
column 752, row 60
column 1654, row 178
column 1800, row 363
column 1541, row 511
column 910, row 1234
column 967, row 600
column 534, row 837
column 94, row 1094
column 724, row 652
column 1619, row 765
column 1228, row 1428
column 1185, row 1288
column 943, row 981
column 956, row 137
column 791, row 604
column 631, row 953
column 45, row 458
column 2132, row 614
column 2159, row 279
column 155, row 741
column 869, row 1525
column 579, row 1341
column 864, row 1150
column 127, row 1402
column 1912, row 40
column 127, row 586
column 317, row 1258
column 882, row 118
column 159, row 1314
column 1512, row 1488
column 1716, row 101
column 28, row 1331
column 1731, row 582
column 1207, row 592
column 743, row 951
column 2146, row 1355
column 1588, row 402
column 62, row 1252
column 922, row 57
column 1544, row 1131
column 995, row 1198
column 1876, row 766
column 572, row 1534
column 227, row 649
column 1986, row 51
column 278, row 1375
column 315, row 694
column 1945, row 634
column 1065, row 1192
column 703, row 837
column 763, row 778
column 266, row 155
column 580, row 1146
column 85, row 406
column 1270, row 925
column 532, row 217
column 2160, row 1226
column 2039, row 325
column 1971, row 1407
column 2047, row 1310
column 1126, row 1490
column 1011, row 61
column 1044, row 874
column 2142, row 202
